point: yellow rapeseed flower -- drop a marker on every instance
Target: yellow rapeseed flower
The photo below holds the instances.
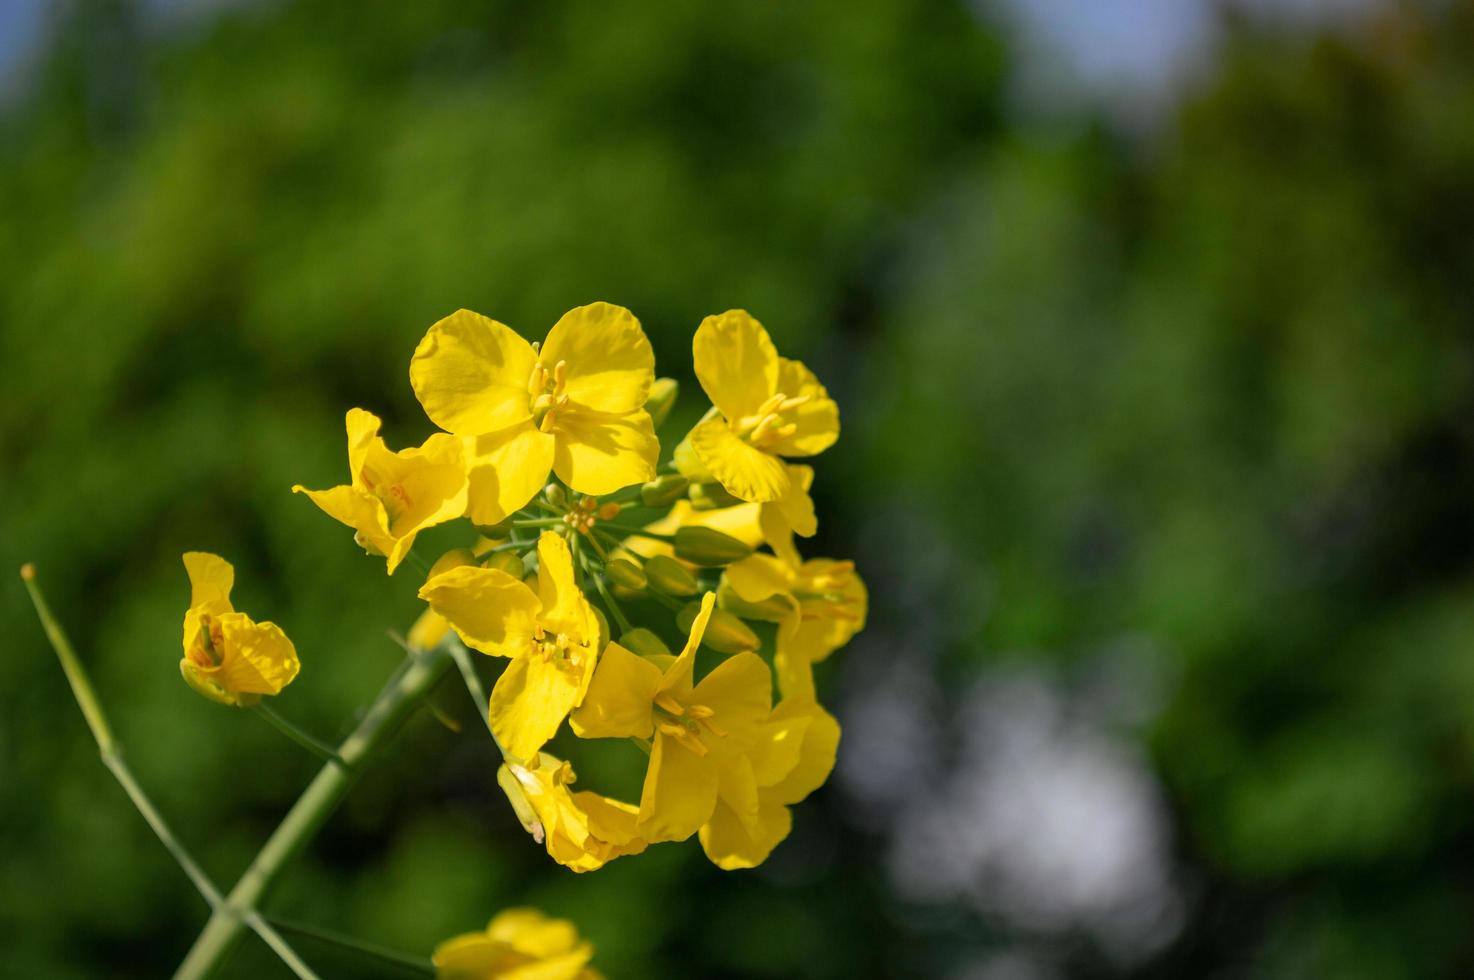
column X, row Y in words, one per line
column 575, row 406
column 227, row 657
column 707, row 736
column 519, row 944
column 551, row 637
column 732, row 842
column 583, row 830
column 392, row 496
column 822, row 603
column 769, row 407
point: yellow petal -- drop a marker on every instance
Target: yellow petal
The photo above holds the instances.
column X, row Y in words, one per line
column 608, row 359
column 817, row 749
column 730, row 844
column 745, row 471
column 758, row 577
column 599, row 453
column 737, row 787
column 612, row 821
column 470, row 374
column 778, row 533
column 428, row 631
column 364, row 513
column 680, row 792
column 529, row 702
column 740, row 691
column 529, row 931
column 776, row 751
column 736, row 363
column 563, row 602
column 678, row 677
column 210, row 578
column 471, row 956
column 795, row 671
column 619, row 699
column 815, row 421
column 827, row 624
column 795, row 509
column 490, row 610
column 504, row 470
column 257, row 659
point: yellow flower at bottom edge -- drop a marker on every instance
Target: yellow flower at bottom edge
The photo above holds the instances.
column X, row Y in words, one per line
column 519, row 944
column 766, row 407
column 575, row 406
column 551, row 637
column 392, row 496
column 228, row 657
column 583, row 830
column 711, row 740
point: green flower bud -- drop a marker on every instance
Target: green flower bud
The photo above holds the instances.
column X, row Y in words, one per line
column 625, row 595
column 771, row 610
column 662, row 396
column 454, row 558
column 689, row 463
column 604, row 633
column 622, row 571
column 705, row 546
column 711, row 496
column 555, row 495
column 725, row 633
column 664, row 490
column 507, row 561
column 495, row 531
column 670, row 576
column 645, row 643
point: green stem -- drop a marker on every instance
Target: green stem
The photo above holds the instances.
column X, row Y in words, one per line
column 320, row 749
column 619, row 616
column 414, row 964
column 636, row 532
column 538, row 522
column 393, row 705
column 472, row 680
column 112, row 758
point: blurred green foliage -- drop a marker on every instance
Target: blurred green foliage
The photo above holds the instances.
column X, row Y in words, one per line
column 1216, row 390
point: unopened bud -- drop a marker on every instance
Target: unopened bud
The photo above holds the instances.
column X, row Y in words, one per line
column 645, row 643
column 609, row 511
column 496, row 531
column 706, row 546
column 626, row 573
column 689, row 463
column 454, row 558
column 670, row 576
column 725, row 633
column 663, row 490
column 507, row 561
column 555, row 495
column 711, row 496
column 625, row 595
column 662, row 396
column 604, row 633
column 507, row 777
column 773, row 609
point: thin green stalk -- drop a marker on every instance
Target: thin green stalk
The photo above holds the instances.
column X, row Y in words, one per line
column 112, row 757
column 614, row 607
column 414, row 964
column 395, row 703
column 538, row 522
column 637, row 532
column 474, row 687
column 318, row 748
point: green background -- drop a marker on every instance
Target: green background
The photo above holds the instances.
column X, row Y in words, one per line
column 1199, row 401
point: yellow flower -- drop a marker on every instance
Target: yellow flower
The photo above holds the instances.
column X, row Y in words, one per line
column 770, row 407
column 575, row 406
column 583, row 830
column 519, row 944
column 228, row 657
column 790, row 514
column 551, row 637
column 821, row 604
column 392, row 496
column 732, row 842
column 706, row 735
column 740, row 522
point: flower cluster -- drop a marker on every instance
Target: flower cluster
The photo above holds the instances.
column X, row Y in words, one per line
column 586, row 562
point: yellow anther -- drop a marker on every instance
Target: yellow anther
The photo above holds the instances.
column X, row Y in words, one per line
column 789, row 404
column 560, row 377
column 699, row 712
column 714, row 728
column 564, row 775
column 546, row 425
column 669, row 704
column 771, row 405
